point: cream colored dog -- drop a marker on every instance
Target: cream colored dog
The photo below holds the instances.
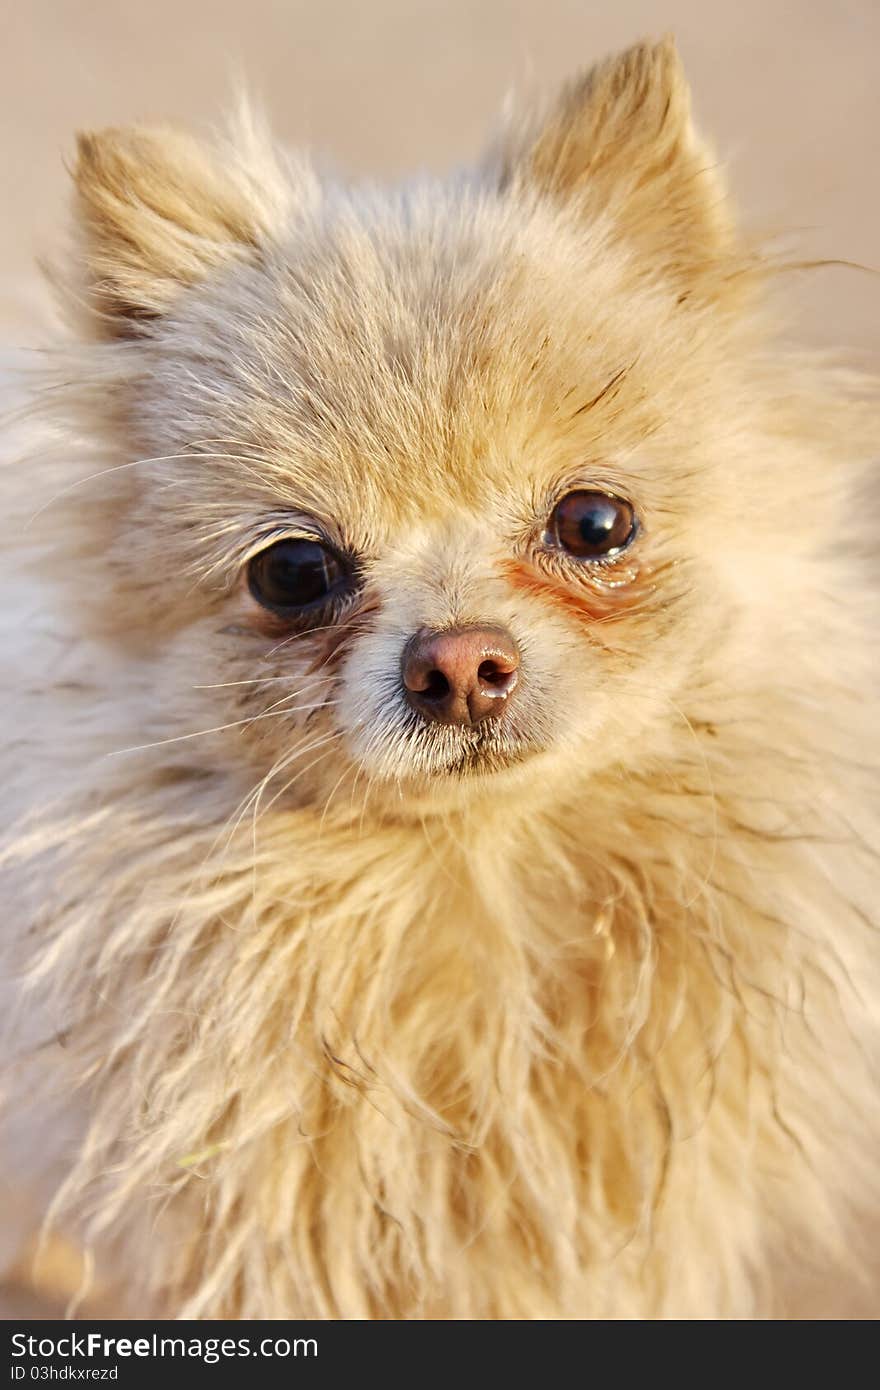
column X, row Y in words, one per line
column 444, row 882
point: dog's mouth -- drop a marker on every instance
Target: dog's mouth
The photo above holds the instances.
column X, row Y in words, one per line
column 445, row 753
column 483, row 761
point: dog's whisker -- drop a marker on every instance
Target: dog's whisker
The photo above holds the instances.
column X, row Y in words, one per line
column 271, row 713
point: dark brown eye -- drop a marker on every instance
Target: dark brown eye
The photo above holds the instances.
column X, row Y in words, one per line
column 592, row 525
column 295, row 574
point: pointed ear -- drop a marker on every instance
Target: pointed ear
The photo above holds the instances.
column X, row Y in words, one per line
column 160, row 211
column 619, row 142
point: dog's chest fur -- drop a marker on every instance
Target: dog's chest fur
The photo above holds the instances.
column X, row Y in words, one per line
column 430, row 1070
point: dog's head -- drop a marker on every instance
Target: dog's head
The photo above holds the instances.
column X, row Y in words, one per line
column 432, row 488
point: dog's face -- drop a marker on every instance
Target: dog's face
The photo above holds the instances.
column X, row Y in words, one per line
column 444, row 488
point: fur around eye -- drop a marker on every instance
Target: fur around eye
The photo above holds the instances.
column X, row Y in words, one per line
column 295, row 575
column 592, row 525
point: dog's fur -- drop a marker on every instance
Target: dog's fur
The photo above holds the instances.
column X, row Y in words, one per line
column 336, row 1015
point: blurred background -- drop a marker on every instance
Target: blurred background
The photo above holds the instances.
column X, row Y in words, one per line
column 787, row 88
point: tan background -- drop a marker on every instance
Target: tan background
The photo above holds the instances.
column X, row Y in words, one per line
column 789, row 89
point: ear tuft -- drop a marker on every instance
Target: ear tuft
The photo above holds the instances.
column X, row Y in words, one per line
column 620, row 142
column 160, row 211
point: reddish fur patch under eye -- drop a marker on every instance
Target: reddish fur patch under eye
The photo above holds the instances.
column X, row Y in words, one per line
column 587, row 605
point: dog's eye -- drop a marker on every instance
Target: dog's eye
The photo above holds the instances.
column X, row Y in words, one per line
column 294, row 574
column 592, row 525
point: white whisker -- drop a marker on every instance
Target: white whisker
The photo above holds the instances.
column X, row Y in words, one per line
column 271, row 713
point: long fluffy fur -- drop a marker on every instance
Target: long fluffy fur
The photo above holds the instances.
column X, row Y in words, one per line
column 592, row 1035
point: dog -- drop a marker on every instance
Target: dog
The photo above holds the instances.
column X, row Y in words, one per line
column 441, row 881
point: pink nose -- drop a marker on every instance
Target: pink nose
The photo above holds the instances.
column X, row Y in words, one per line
column 462, row 675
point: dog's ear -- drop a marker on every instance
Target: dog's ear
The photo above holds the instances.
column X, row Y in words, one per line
column 160, row 211
column 619, row 143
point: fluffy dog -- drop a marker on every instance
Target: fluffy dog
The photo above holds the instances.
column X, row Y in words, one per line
column 442, row 881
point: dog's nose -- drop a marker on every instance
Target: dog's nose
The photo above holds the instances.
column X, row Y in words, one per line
column 461, row 675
